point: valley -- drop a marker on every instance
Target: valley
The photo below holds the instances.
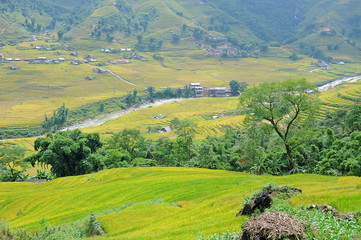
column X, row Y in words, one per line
column 162, row 119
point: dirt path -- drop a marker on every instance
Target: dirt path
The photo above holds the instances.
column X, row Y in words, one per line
column 119, row 77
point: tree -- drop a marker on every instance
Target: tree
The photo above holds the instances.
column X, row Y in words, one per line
column 286, row 107
column 151, row 91
column 12, row 165
column 68, row 153
column 128, row 140
column 175, row 38
column 234, row 85
column 57, row 121
column 60, row 35
column 237, row 87
column 352, row 120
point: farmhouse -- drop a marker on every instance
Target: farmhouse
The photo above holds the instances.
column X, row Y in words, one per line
column 99, row 70
column 166, row 129
column 160, row 116
column 120, row 61
column 198, row 89
column 217, row 92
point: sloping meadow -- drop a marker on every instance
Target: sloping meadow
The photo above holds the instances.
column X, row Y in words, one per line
column 160, row 203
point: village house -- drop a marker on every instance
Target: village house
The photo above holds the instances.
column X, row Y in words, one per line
column 160, row 116
column 120, row 61
column 106, row 50
column 166, row 129
column 217, row 92
column 198, row 89
column 75, row 62
column 100, row 70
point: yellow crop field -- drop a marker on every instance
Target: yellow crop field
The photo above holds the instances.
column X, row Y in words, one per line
column 34, row 90
column 199, row 111
column 160, row 203
column 26, row 95
column 343, row 96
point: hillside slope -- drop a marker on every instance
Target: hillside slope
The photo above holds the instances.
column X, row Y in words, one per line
column 244, row 24
column 160, row 203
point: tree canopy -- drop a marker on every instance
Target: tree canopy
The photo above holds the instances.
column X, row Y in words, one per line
column 11, row 164
column 285, row 106
column 68, row 153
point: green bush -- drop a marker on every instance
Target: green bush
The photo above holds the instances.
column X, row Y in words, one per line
column 143, row 162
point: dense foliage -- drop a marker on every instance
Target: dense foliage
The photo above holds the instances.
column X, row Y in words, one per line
column 68, row 153
column 281, row 136
column 11, row 165
column 257, row 148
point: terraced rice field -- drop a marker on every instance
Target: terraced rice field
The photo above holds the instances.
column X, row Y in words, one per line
column 200, row 111
column 32, row 91
column 341, row 97
column 160, row 203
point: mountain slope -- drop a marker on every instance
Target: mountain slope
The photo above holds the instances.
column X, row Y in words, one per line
column 326, row 22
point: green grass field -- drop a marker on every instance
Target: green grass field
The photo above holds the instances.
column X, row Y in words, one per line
column 160, row 203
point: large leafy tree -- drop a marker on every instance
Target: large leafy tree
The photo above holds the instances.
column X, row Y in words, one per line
column 12, row 165
column 130, row 141
column 68, row 153
column 284, row 106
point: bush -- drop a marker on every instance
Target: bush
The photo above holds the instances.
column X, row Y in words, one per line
column 94, row 228
column 143, row 162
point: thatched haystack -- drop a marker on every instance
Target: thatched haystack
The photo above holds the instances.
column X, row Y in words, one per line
column 273, row 225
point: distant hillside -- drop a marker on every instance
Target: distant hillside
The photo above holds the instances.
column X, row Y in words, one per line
column 149, row 25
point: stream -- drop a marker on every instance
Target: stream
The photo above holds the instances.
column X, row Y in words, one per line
column 337, row 82
column 100, row 120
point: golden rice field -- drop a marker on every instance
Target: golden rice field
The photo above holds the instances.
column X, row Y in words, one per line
column 199, row 111
column 341, row 97
column 161, row 203
column 29, row 93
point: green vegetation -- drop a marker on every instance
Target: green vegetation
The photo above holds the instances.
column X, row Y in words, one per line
column 12, row 167
column 319, row 221
column 86, row 227
column 281, row 105
column 68, row 153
